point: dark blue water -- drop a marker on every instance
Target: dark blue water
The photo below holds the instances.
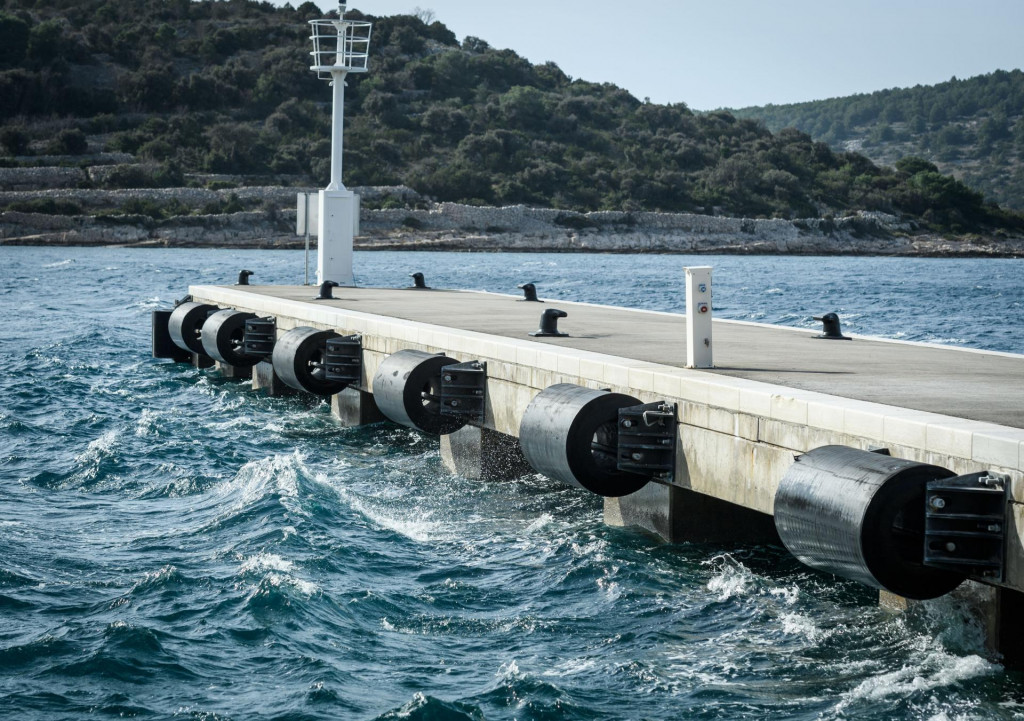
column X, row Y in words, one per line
column 174, row 545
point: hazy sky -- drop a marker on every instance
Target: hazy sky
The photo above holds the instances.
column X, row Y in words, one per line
column 734, row 53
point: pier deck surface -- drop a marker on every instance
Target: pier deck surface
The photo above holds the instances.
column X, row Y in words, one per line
column 975, row 385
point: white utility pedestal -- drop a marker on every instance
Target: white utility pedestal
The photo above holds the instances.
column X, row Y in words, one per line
column 335, row 229
column 698, row 317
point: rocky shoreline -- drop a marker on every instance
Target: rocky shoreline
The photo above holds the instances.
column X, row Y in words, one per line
column 399, row 219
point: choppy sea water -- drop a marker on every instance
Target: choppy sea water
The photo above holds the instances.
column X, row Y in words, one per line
column 174, row 545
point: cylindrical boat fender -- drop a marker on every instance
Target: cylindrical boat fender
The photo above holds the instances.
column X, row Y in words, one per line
column 407, row 389
column 860, row 515
column 570, row 433
column 222, row 336
column 186, row 325
column 298, row 360
column 163, row 344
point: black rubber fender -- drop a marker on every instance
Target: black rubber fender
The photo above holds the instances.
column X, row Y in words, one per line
column 222, row 336
column 186, row 325
column 407, row 389
column 298, row 360
column 570, row 433
column 860, row 515
column 163, row 345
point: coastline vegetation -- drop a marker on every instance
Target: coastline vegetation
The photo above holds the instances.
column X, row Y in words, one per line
column 223, row 87
column 972, row 128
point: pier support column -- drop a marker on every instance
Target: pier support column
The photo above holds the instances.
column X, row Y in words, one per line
column 678, row 514
column 1000, row 610
column 483, row 454
column 237, row 372
column 201, row 361
column 1009, row 626
column 264, row 377
column 354, row 407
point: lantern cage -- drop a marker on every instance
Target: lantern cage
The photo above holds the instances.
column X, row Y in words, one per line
column 340, row 46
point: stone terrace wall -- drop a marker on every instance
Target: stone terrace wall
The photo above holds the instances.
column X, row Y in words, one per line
column 34, row 178
column 270, row 222
column 521, row 219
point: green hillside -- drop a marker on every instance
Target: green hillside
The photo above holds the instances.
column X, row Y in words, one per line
column 972, row 129
column 223, row 87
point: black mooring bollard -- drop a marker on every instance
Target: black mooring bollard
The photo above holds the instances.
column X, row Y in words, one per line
column 325, row 290
column 549, row 324
column 830, row 327
column 243, row 277
column 420, row 283
column 530, row 292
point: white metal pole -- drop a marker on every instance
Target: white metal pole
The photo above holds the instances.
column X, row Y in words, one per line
column 306, row 196
column 338, row 129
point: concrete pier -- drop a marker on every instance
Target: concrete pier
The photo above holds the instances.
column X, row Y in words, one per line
column 264, row 378
column 354, row 407
column 773, row 393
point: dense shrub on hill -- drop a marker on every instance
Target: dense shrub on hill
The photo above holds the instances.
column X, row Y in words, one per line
column 973, row 128
column 223, row 86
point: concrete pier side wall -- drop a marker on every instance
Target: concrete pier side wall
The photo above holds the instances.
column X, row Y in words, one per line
column 736, row 436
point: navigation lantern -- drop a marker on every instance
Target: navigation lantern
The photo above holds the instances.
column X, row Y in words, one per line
column 340, row 47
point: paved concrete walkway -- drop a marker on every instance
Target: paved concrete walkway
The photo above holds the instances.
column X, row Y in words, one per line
column 966, row 384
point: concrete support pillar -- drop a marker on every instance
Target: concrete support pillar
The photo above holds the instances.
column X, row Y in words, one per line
column 1000, row 611
column 678, row 514
column 201, row 361
column 1009, row 626
column 354, row 407
column 237, row 372
column 264, row 377
column 483, row 454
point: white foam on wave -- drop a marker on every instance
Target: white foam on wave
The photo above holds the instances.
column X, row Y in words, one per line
column 98, row 448
column 509, row 671
column 276, row 579
column 571, row 667
column 796, row 624
column 935, row 670
column 307, row 588
column 60, row 263
column 266, row 562
column 419, row 528
column 593, row 550
column 155, row 578
column 383, row 511
column 733, row 578
column 272, row 474
column 147, row 423
column 88, row 461
column 789, row 595
column 386, row 625
column 538, row 523
column 149, row 303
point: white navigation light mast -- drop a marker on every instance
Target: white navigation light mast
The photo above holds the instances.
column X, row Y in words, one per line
column 340, row 47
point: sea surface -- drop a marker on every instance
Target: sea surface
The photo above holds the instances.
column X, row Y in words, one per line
column 174, row 545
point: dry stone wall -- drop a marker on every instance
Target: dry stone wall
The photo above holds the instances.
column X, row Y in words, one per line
column 270, row 222
column 30, row 179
